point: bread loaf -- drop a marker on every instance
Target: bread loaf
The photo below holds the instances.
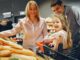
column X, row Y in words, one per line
column 24, row 52
column 12, row 44
column 5, row 53
column 23, row 57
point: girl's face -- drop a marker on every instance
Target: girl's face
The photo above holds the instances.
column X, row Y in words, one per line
column 32, row 10
column 49, row 25
column 57, row 24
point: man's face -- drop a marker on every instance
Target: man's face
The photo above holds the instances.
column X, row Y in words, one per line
column 58, row 9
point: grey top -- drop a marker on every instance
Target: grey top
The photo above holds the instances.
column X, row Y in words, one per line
column 73, row 17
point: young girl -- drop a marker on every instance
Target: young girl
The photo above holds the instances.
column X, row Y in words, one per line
column 61, row 33
column 49, row 24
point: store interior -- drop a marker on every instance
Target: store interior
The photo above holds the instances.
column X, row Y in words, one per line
column 13, row 10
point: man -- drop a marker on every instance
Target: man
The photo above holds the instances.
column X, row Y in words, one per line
column 72, row 15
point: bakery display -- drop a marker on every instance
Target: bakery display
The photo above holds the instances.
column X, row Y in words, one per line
column 11, row 49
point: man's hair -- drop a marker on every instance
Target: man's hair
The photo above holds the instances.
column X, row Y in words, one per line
column 56, row 2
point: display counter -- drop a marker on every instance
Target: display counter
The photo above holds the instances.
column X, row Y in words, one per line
column 10, row 50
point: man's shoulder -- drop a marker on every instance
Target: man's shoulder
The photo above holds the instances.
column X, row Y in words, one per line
column 68, row 8
column 72, row 9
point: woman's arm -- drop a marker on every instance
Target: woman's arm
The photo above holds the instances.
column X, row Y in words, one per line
column 44, row 30
column 11, row 32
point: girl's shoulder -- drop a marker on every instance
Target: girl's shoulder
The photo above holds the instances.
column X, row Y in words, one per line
column 60, row 33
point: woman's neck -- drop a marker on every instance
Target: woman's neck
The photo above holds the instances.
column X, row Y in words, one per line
column 33, row 20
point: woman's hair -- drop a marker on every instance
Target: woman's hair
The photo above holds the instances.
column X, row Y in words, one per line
column 28, row 7
column 65, row 26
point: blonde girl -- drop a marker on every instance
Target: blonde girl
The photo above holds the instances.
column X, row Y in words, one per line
column 62, row 32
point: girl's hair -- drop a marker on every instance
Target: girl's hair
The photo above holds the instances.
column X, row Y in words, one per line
column 28, row 8
column 65, row 26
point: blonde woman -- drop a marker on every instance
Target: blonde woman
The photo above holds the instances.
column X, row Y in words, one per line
column 32, row 26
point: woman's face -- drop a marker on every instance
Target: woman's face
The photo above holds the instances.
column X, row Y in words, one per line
column 57, row 24
column 32, row 10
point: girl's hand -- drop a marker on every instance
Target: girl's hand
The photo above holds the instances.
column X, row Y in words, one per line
column 47, row 41
column 51, row 45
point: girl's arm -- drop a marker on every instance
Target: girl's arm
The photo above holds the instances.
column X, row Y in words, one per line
column 57, row 42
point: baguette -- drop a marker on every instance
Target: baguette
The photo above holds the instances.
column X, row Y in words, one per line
column 23, row 57
column 5, row 47
column 24, row 52
column 5, row 53
column 15, row 48
column 18, row 51
column 12, row 44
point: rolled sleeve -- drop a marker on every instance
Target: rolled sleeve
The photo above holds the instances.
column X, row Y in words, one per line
column 13, row 31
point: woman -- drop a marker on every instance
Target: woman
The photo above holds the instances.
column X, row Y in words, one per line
column 32, row 26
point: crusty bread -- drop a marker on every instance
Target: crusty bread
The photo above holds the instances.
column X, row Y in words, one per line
column 12, row 44
column 15, row 48
column 24, row 52
column 5, row 47
column 23, row 57
column 5, row 53
column 17, row 51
